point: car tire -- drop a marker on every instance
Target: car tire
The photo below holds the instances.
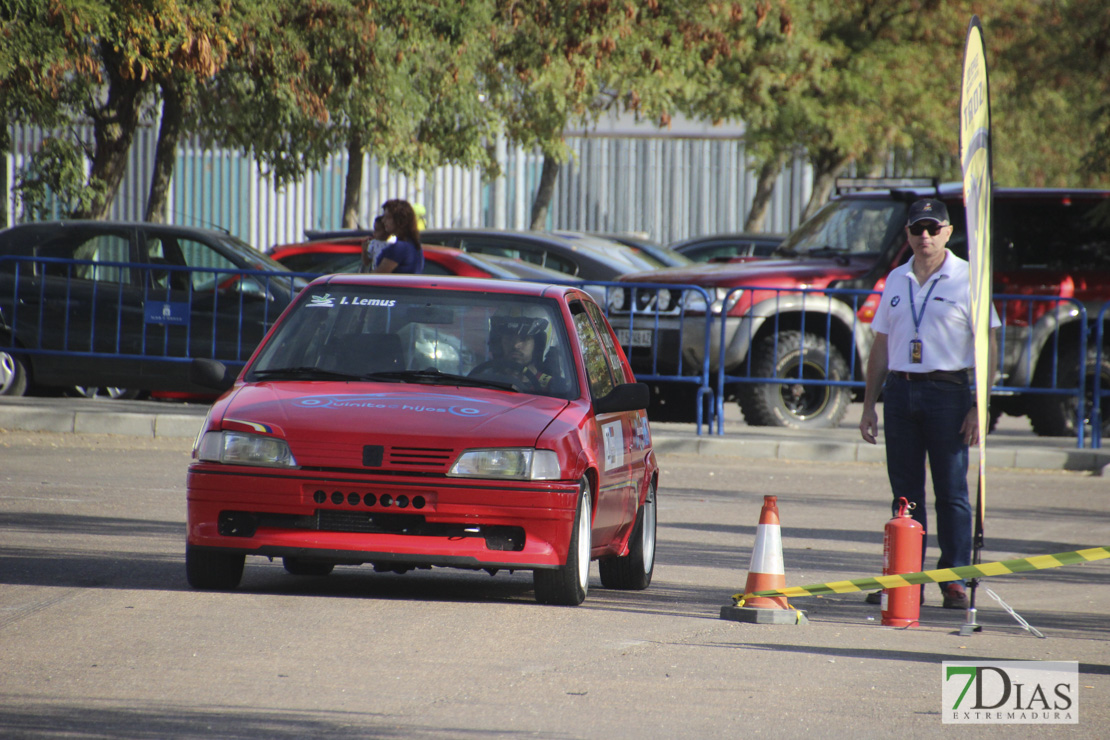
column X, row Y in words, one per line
column 13, row 375
column 795, row 406
column 211, row 570
column 567, row 585
column 633, row 571
column 1055, row 416
column 301, row 567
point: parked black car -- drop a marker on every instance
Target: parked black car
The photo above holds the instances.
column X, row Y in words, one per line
column 726, row 247
column 664, row 255
column 126, row 305
column 571, row 253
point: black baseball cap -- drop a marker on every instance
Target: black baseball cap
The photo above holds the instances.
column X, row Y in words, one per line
column 928, row 209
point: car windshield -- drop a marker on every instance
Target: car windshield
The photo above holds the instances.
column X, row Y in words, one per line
column 847, row 227
column 436, row 337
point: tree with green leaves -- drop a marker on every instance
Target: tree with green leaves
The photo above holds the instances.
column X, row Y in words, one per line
column 1050, row 86
column 552, row 67
column 393, row 78
column 100, row 61
column 745, row 64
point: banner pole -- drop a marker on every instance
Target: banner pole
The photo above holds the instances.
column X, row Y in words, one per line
column 975, row 160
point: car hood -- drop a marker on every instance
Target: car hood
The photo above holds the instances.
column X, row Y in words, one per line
column 329, row 424
column 764, row 272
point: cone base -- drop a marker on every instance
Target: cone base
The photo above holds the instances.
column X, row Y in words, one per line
column 763, row 616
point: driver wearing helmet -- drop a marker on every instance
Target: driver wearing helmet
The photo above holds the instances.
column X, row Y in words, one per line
column 517, row 345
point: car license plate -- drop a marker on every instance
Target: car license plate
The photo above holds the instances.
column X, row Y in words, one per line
column 640, row 338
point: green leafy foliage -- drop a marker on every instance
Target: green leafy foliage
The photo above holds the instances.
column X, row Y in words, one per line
column 421, row 83
column 53, row 185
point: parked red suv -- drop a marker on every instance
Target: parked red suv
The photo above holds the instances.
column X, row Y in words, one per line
column 1046, row 242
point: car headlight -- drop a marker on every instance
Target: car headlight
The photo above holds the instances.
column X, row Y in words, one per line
column 616, row 299
column 721, row 301
column 517, row 463
column 694, row 302
column 242, row 448
column 727, row 301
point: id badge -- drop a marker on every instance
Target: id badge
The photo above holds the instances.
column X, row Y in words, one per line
column 915, row 351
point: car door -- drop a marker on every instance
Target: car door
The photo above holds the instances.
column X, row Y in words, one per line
column 634, row 424
column 612, row 432
column 92, row 305
column 199, row 304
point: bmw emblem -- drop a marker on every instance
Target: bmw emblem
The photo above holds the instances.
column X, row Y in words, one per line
column 895, row 300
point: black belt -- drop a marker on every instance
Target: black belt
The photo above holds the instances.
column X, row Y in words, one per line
column 958, row 377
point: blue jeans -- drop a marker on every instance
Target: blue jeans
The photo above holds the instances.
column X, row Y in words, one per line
column 923, row 417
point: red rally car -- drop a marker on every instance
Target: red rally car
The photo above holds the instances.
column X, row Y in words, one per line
column 411, row 422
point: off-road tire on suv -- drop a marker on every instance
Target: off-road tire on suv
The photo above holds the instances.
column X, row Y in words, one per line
column 795, row 406
column 1054, row 415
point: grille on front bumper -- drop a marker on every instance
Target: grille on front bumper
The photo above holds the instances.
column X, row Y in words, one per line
column 247, row 524
column 318, row 455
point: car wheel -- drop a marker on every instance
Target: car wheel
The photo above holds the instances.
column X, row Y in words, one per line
column 795, row 405
column 92, row 391
column 567, row 585
column 13, row 375
column 213, row 571
column 300, row 567
column 1055, row 416
column 633, row 571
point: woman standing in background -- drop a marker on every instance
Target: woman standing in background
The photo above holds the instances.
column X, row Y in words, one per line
column 404, row 255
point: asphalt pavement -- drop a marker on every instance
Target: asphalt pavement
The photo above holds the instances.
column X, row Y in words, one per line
column 1011, row 445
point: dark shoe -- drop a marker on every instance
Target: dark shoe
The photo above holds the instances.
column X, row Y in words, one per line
column 955, row 597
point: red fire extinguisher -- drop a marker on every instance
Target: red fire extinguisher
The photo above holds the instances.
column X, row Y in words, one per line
column 903, row 540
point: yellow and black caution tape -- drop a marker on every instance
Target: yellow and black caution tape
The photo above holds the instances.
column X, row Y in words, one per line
column 1001, row 568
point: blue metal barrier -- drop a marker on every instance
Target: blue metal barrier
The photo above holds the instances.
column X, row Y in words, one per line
column 646, row 307
column 1022, row 358
column 1037, row 331
column 170, row 313
column 796, row 307
column 158, row 312
column 1099, row 392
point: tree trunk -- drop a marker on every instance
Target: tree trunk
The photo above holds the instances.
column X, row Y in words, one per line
column 352, row 189
column 545, row 192
column 165, row 151
column 114, row 127
column 764, row 189
column 827, row 164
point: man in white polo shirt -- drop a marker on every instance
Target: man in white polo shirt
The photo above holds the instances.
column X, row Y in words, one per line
column 921, row 360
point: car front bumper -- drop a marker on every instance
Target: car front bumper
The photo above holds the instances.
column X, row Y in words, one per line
column 387, row 520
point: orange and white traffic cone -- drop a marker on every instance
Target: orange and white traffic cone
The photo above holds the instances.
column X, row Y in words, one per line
column 766, row 573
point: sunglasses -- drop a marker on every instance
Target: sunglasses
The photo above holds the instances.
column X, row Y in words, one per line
column 919, row 228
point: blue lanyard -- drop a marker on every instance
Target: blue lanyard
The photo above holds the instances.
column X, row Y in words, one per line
column 917, row 317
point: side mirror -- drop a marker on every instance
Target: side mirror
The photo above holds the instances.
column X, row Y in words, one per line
column 625, row 397
column 210, row 374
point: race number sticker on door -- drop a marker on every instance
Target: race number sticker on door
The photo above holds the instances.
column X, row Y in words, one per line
column 613, row 439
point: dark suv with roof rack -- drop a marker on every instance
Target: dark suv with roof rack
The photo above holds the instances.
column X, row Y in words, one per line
column 1052, row 243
